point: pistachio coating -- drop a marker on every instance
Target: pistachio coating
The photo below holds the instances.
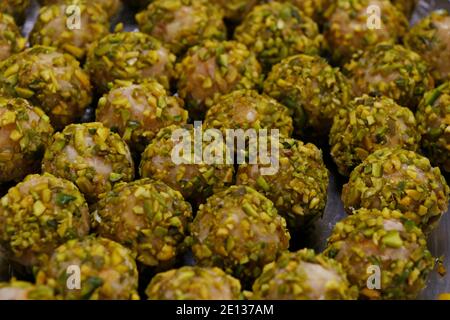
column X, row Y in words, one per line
column 313, row 91
column 15, row 8
column 314, row 9
column 194, row 283
column 239, row 231
column 147, row 216
column 392, row 71
column 107, row 270
column 11, row 40
column 21, row 290
column 236, row 10
column 303, row 275
column 406, row 6
column 24, row 133
column 276, row 30
column 50, row 80
column 298, row 189
column 385, row 239
column 247, row 109
column 196, row 180
column 52, row 27
column 215, row 68
column 38, row 215
column 400, row 180
column 138, row 111
column 433, row 117
column 181, row 24
column 91, row 156
column 430, row 38
column 369, row 124
column 351, row 26
column 129, row 56
column 111, row 7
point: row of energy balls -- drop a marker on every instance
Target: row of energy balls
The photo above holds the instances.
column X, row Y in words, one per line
column 45, row 220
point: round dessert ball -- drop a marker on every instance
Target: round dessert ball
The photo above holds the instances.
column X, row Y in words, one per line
column 25, row 131
column 239, row 231
column 181, row 24
column 236, row 10
column 196, row 179
column 247, row 109
column 351, row 26
column 275, row 31
column 148, row 217
column 392, row 71
column 385, row 241
column 91, row 156
column 430, row 38
column 111, row 7
column 406, row 6
column 55, row 27
column 22, row 290
column 194, row 283
column 303, row 275
column 137, row 111
column 38, row 215
column 313, row 91
column 401, row 180
column 369, row 124
column 50, row 80
column 215, row 68
column 15, row 8
column 129, row 56
column 298, row 188
column 106, row 269
column 433, row 118
column 11, row 40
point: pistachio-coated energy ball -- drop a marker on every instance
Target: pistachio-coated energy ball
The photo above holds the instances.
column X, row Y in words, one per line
column 239, row 231
column 194, row 283
column 38, row 215
column 400, row 180
column 381, row 248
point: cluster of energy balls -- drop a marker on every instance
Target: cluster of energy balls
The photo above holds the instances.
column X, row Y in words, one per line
column 87, row 122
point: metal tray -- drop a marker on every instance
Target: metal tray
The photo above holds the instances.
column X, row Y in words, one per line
column 439, row 240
